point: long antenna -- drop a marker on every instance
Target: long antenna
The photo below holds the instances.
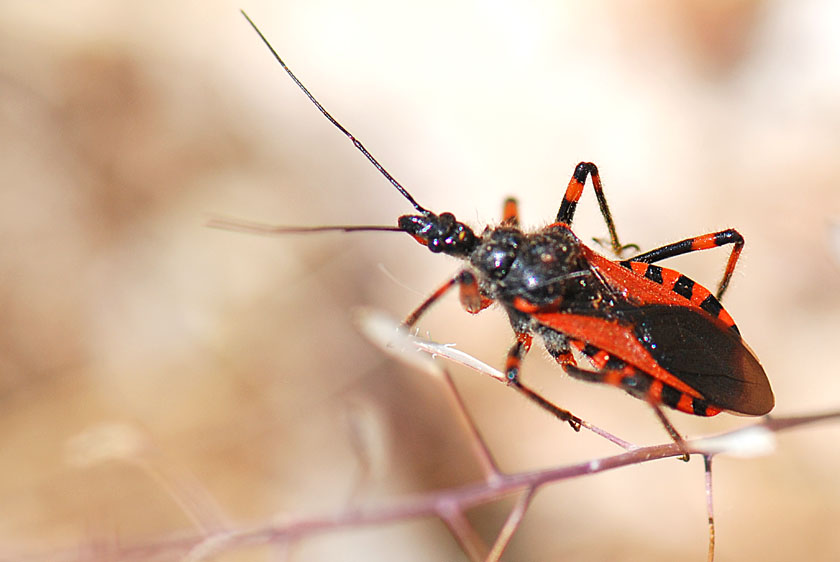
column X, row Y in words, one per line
column 338, row 125
column 238, row 225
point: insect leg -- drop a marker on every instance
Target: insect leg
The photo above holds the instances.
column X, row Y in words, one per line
column 672, row 431
column 516, row 354
column 704, row 242
column 514, row 360
column 412, row 318
column 558, row 348
column 510, row 212
column 640, row 385
column 471, row 299
column 573, row 193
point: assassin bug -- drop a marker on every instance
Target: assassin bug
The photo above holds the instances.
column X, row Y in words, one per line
column 646, row 329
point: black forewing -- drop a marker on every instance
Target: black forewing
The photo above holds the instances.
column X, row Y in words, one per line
column 703, row 353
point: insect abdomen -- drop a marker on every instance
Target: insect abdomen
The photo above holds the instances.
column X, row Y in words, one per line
column 615, row 372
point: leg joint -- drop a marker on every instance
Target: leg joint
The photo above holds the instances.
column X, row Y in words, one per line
column 729, row 236
column 583, row 170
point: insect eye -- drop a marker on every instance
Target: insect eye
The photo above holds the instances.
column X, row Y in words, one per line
column 496, row 255
column 499, row 261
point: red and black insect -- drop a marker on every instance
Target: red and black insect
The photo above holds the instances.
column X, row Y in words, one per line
column 646, row 329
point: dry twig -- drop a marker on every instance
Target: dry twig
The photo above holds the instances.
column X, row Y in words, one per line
column 451, row 504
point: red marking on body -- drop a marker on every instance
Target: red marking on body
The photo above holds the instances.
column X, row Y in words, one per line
column 523, row 305
column 669, row 279
column 639, row 267
column 699, row 294
column 726, row 319
column 631, row 284
column 642, row 296
column 686, row 404
column 613, row 337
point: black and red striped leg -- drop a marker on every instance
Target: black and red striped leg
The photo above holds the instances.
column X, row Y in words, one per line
column 572, row 196
column 697, row 243
column 642, row 386
column 516, row 354
column 510, row 212
column 412, row 318
column 514, row 360
column 471, row 299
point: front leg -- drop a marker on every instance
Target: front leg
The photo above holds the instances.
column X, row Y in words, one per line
column 471, row 298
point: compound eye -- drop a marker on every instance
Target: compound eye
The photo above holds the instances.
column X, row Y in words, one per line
column 500, row 260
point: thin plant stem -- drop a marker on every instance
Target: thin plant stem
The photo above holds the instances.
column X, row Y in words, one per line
column 463, row 531
column 511, row 525
column 479, row 446
column 710, row 508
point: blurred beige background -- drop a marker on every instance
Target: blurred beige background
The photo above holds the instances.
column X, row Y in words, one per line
column 158, row 377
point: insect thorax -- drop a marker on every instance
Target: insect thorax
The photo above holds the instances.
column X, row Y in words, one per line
column 545, row 268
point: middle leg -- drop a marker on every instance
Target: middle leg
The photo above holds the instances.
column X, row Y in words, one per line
column 471, row 298
column 514, row 360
